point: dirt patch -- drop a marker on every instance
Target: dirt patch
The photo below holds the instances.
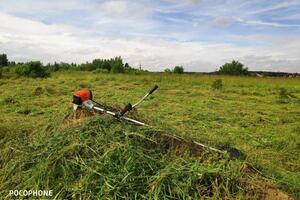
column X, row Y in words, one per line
column 275, row 194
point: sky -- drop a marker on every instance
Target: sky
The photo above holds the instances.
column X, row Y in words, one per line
column 200, row 35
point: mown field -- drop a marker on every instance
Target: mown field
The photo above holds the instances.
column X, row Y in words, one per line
column 99, row 157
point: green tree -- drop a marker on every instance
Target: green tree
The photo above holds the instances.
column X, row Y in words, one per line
column 32, row 69
column 3, row 60
column 53, row 67
column 178, row 70
column 107, row 65
column 117, row 65
column 117, row 68
column 64, row 66
column 168, row 70
column 98, row 64
column 233, row 68
column 11, row 63
column 127, row 68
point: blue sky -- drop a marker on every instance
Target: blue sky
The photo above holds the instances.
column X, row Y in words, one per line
column 199, row 34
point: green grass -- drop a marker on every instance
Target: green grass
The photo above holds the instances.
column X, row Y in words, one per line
column 99, row 157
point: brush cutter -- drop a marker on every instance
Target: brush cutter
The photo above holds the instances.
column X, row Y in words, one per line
column 84, row 99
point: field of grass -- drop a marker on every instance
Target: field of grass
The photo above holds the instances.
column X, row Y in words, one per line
column 99, row 157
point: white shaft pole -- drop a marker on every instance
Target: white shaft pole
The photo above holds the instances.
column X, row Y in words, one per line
column 125, row 118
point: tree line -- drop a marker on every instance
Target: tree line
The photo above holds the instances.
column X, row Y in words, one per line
column 232, row 68
column 37, row 69
column 176, row 70
column 113, row 65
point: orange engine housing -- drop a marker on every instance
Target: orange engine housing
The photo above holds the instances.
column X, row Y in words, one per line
column 81, row 96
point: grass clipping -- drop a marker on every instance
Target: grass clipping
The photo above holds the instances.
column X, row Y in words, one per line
column 101, row 158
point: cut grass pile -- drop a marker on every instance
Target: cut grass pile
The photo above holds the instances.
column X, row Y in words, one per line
column 102, row 158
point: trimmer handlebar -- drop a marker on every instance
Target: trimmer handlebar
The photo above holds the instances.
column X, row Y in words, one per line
column 153, row 89
column 129, row 107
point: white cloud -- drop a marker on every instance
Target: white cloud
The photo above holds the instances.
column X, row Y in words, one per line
column 25, row 39
column 223, row 21
column 272, row 7
column 262, row 23
column 184, row 1
column 123, row 8
column 216, row 21
column 272, row 63
column 42, row 6
column 289, row 17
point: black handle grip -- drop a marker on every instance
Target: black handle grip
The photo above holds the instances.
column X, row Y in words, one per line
column 153, row 89
column 127, row 108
